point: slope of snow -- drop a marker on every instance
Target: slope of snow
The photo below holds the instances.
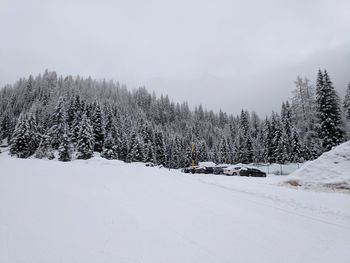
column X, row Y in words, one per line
column 109, row 211
column 330, row 171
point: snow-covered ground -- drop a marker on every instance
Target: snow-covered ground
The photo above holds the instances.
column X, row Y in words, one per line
column 109, row 211
column 331, row 171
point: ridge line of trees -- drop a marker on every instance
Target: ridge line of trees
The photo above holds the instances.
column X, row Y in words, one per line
column 75, row 117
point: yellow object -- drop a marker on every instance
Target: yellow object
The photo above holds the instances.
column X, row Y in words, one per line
column 193, row 149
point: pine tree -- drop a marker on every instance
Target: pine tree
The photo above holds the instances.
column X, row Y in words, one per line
column 124, row 147
column 97, row 125
column 20, row 144
column 57, row 130
column 267, row 141
column 331, row 130
column 175, row 153
column 296, row 148
column 109, row 150
column 223, row 151
column 65, row 148
column 44, row 150
column 77, row 112
column 346, row 104
column 33, row 133
column 136, row 149
column 286, row 118
column 277, row 131
column 85, row 144
column 159, row 148
column 202, row 152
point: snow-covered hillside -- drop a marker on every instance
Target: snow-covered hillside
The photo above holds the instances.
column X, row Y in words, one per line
column 330, row 171
column 110, row 211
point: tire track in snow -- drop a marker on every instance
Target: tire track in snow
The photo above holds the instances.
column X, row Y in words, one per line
column 236, row 191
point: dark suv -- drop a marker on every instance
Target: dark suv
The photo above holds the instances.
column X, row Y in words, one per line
column 252, row 172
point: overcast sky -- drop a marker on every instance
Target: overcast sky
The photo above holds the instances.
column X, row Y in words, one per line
column 222, row 53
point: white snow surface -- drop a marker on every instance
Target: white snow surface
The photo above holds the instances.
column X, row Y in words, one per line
column 331, row 171
column 109, row 211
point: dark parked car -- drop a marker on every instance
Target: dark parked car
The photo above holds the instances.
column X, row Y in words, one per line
column 209, row 170
column 201, row 170
column 188, row 170
column 251, row 172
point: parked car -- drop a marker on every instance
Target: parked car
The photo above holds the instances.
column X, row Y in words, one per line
column 205, row 168
column 232, row 170
column 200, row 170
column 253, row 172
column 219, row 169
column 209, row 170
column 188, row 170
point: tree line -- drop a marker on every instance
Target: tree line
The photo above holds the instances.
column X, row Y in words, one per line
column 71, row 117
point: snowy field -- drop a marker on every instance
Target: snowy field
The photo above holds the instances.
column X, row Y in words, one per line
column 109, row 211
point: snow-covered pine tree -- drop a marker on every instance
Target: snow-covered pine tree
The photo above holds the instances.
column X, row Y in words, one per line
column 331, row 127
column 58, row 128
column 286, row 118
column 223, row 153
column 110, row 149
column 248, row 154
column 245, row 149
column 159, row 148
column 77, row 113
column 202, row 154
column 346, row 104
column 97, row 126
column 65, row 148
column 282, row 154
column 267, row 141
column 175, row 153
column 20, row 144
column 147, row 136
column 124, row 147
column 34, row 134
column 85, row 143
column 44, row 150
column 296, row 148
column 1, row 135
column 136, row 148
column 185, row 154
column 277, row 131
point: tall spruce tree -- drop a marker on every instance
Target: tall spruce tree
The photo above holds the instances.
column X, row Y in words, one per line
column 202, row 152
column 331, row 127
column 346, row 104
column 58, row 128
column 296, row 148
column 109, row 149
column 65, row 148
column 45, row 150
column 85, row 143
column 20, row 144
column 34, row 133
column 136, row 149
column 97, row 126
column 159, row 148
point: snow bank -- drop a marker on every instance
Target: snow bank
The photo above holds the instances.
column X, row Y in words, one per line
column 330, row 171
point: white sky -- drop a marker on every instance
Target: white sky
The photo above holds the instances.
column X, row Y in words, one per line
column 225, row 54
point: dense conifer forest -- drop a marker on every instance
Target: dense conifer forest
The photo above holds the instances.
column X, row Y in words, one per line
column 73, row 117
